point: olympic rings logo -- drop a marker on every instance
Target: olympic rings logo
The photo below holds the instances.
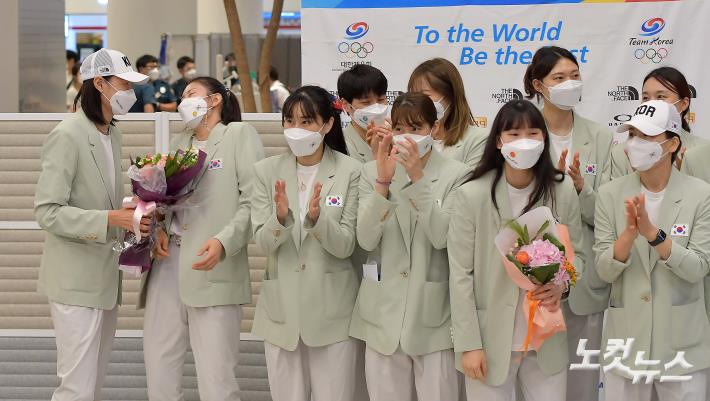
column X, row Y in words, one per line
column 651, row 55
column 355, row 49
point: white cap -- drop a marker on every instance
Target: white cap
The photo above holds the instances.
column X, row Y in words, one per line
column 653, row 118
column 107, row 62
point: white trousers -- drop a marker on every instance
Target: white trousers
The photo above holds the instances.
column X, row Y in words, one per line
column 618, row 388
column 398, row 376
column 84, row 337
column 526, row 372
column 169, row 326
column 325, row 373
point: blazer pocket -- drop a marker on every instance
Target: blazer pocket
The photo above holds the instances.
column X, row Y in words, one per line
column 223, row 273
column 368, row 302
column 436, row 310
column 688, row 324
column 271, row 294
column 340, row 293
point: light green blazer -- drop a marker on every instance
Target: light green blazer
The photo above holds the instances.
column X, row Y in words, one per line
column 358, row 149
column 409, row 306
column 219, row 208
column 483, row 297
column 72, row 199
column 469, row 149
column 620, row 165
column 659, row 304
column 309, row 285
column 594, row 143
column 696, row 163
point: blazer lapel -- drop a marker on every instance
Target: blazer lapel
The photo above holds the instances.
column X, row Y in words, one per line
column 670, row 208
column 97, row 152
column 403, row 212
column 581, row 142
column 211, row 148
column 505, row 213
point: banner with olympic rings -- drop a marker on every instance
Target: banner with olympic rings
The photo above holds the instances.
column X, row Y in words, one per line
column 492, row 41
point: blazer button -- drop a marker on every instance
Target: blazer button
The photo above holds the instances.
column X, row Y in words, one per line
column 384, row 216
column 277, row 233
column 414, row 205
column 184, row 227
column 646, row 298
column 303, row 267
column 405, row 274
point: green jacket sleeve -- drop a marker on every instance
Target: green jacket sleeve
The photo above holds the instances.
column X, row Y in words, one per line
column 373, row 212
column 464, row 315
column 608, row 268
column 51, row 206
column 248, row 150
column 269, row 234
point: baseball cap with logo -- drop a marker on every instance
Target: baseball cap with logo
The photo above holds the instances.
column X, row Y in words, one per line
column 107, row 62
column 654, row 118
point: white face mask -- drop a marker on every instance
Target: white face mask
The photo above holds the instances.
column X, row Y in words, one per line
column 375, row 113
column 522, row 154
column 121, row 101
column 302, row 141
column 566, row 95
column 191, row 73
column 424, row 142
column 192, row 110
column 154, row 74
column 644, row 154
column 440, row 109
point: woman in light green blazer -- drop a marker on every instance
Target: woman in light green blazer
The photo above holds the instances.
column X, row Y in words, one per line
column 657, row 291
column 582, row 149
column 194, row 292
column 515, row 175
column 667, row 84
column 402, row 310
column 78, row 203
column 303, row 215
column 459, row 137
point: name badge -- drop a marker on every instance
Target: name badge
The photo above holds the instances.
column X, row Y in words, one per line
column 679, row 230
column 215, row 164
column 590, row 169
column 334, row 201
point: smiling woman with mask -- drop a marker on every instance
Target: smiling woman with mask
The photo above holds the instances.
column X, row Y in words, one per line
column 402, row 311
column 78, row 193
column 489, row 326
column 667, row 84
column 459, row 137
column 194, row 292
column 582, row 149
column 303, row 215
column 653, row 247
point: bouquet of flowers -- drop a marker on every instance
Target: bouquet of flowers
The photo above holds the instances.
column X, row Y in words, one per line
column 158, row 182
column 534, row 260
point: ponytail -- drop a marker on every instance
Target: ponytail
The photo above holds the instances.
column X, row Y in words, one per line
column 231, row 112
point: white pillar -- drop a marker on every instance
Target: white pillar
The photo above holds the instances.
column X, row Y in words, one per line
column 211, row 17
column 10, row 68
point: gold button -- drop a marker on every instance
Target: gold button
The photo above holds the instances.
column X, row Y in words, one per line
column 184, row 227
column 384, row 216
column 277, row 233
column 646, row 298
column 317, row 236
column 405, row 274
column 414, row 205
column 303, row 267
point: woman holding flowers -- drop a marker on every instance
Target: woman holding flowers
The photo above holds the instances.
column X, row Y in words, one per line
column 194, row 291
column 490, row 328
column 652, row 244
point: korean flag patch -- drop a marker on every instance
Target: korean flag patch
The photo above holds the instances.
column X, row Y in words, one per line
column 215, row 164
column 590, row 169
column 334, row 201
column 679, row 230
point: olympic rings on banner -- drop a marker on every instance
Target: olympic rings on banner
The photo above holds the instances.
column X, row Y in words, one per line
column 356, row 49
column 651, row 55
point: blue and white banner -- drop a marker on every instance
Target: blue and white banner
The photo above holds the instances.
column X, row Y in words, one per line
column 492, row 42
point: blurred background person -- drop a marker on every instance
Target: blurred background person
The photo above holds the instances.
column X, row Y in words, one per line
column 186, row 67
column 279, row 91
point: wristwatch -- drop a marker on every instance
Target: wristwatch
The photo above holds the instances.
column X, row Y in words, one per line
column 660, row 237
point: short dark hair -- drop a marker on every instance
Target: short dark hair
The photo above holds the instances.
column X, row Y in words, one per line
column 182, row 61
column 361, row 80
column 71, row 55
column 413, row 109
column 230, row 56
column 144, row 60
column 90, row 99
column 273, row 73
